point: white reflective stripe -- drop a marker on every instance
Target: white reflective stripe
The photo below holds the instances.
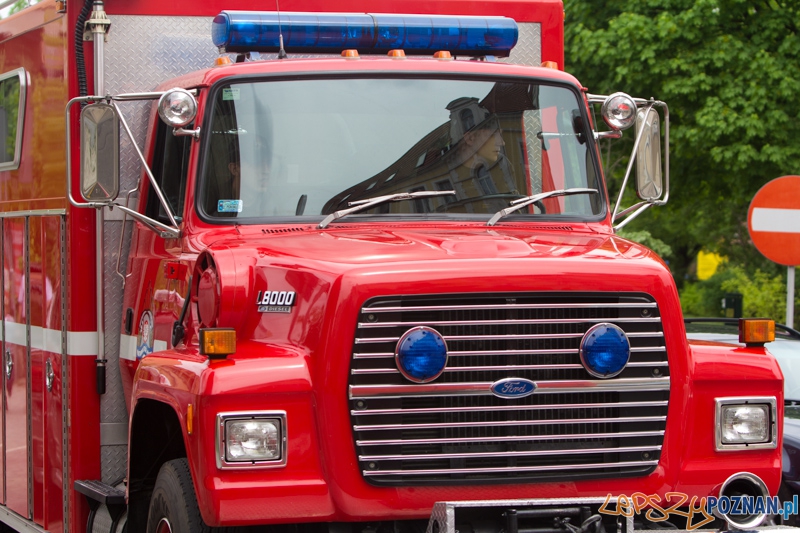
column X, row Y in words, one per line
column 15, row 333
column 49, row 340
column 127, row 346
column 82, row 343
column 775, row 220
column 78, row 342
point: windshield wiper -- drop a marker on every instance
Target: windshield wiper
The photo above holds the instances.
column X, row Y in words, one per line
column 361, row 205
column 528, row 200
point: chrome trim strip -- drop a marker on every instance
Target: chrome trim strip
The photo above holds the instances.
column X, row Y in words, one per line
column 33, row 213
column 498, row 408
column 505, row 322
column 515, row 423
column 516, row 438
column 468, row 353
column 457, row 338
column 503, row 469
column 483, row 388
column 531, row 453
column 509, row 368
column 771, row 401
column 648, row 305
column 385, row 355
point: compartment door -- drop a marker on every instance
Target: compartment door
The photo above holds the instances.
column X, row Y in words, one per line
column 16, row 422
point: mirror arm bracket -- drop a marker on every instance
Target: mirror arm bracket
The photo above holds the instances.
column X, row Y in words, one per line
column 180, row 132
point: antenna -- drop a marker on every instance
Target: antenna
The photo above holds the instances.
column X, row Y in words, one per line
column 281, row 51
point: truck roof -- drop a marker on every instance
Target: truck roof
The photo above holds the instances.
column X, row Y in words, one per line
column 364, row 64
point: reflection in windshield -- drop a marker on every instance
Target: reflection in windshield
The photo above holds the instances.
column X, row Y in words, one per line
column 310, row 147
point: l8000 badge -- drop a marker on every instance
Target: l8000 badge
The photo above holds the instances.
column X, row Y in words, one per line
column 275, row 301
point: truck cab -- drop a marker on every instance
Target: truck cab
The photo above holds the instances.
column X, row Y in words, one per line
column 343, row 272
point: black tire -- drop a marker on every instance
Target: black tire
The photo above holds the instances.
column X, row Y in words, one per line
column 173, row 505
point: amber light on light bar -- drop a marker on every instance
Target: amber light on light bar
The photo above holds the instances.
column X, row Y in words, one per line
column 756, row 331
column 217, row 342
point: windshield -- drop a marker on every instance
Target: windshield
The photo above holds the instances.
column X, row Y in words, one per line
column 309, row 147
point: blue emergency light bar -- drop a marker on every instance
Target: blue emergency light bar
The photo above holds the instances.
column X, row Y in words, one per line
column 330, row 33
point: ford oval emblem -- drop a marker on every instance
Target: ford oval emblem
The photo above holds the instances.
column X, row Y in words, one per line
column 513, row 388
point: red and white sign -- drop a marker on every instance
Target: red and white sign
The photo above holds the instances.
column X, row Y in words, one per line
column 774, row 220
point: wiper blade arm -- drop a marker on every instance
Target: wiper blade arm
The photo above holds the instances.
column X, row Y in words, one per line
column 528, row 200
column 361, row 205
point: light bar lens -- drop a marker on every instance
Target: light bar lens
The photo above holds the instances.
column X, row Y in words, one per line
column 321, row 33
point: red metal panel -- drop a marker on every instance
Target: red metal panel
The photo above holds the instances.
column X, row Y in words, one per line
column 16, row 422
column 37, row 358
column 51, row 510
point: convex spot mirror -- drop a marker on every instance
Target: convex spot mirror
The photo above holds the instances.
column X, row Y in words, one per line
column 648, row 155
column 99, row 153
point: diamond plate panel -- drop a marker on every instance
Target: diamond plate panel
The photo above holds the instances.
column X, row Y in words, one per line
column 113, row 463
column 165, row 47
column 528, row 50
column 112, row 403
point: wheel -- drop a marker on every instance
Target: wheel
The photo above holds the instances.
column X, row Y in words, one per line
column 173, row 506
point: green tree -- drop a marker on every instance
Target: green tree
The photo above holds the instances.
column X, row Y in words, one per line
column 19, row 5
column 730, row 72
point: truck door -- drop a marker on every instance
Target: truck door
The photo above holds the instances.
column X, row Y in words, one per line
column 155, row 289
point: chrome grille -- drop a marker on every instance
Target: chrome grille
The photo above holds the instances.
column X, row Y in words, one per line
column 454, row 430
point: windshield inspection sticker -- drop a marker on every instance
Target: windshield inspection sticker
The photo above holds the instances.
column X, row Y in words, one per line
column 229, row 206
column 275, row 301
column 230, row 93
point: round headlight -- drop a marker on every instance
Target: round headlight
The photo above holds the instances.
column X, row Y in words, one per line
column 421, row 354
column 605, row 350
column 177, row 107
column 619, row 111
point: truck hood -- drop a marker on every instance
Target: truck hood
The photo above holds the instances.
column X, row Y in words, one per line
column 329, row 273
column 364, row 246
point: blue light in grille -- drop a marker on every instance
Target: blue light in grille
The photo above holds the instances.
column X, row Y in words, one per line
column 605, row 350
column 327, row 33
column 421, row 354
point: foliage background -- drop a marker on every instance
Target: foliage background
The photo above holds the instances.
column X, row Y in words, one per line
column 730, row 72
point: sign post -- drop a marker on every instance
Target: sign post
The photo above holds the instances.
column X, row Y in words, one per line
column 774, row 224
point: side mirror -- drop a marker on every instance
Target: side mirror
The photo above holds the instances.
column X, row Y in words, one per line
column 648, row 155
column 99, row 153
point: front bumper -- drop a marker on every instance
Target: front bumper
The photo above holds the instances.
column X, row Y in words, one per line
column 582, row 515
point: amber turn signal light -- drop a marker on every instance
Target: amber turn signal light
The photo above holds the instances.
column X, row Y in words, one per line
column 217, row 342
column 756, row 331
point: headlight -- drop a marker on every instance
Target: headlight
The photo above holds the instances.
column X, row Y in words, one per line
column 177, row 108
column 746, row 423
column 247, row 440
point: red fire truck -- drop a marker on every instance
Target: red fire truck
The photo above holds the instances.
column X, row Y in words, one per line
column 349, row 267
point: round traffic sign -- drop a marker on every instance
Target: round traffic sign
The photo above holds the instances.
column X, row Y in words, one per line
column 774, row 220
